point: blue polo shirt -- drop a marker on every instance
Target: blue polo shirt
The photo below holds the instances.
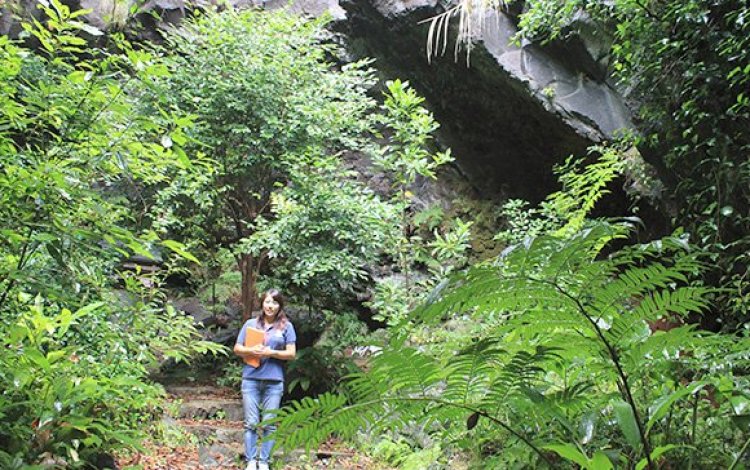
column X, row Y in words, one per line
column 270, row 368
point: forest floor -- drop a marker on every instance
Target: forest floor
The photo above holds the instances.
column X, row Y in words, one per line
column 202, row 429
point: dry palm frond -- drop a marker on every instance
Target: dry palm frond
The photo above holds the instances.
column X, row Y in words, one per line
column 472, row 15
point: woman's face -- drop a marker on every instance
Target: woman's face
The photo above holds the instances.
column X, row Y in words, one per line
column 270, row 307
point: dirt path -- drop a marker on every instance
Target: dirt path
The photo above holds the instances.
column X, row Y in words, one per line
column 205, row 432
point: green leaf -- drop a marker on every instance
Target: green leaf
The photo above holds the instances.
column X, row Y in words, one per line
column 741, row 421
column 661, row 407
column 37, row 358
column 180, row 249
column 600, row 461
column 569, row 452
column 90, row 29
column 87, row 309
column 626, row 421
column 139, row 248
column 655, row 454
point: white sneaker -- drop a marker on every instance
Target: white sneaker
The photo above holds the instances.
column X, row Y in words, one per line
column 252, row 465
column 262, row 466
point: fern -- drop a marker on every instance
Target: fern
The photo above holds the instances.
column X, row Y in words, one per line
column 547, row 304
column 582, row 189
column 469, row 373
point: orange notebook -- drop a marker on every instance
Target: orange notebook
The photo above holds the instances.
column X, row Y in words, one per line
column 253, row 337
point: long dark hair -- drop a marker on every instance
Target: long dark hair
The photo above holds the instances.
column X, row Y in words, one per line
column 279, row 321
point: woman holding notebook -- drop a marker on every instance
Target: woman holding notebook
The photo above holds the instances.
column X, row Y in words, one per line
column 264, row 343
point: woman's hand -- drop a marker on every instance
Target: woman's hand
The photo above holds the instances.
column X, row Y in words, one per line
column 262, row 351
column 258, row 350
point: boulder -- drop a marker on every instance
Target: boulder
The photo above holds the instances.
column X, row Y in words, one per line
column 194, row 307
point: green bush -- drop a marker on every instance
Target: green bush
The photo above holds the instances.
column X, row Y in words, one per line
column 78, row 160
column 60, row 400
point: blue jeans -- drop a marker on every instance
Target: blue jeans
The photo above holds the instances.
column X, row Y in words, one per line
column 260, row 395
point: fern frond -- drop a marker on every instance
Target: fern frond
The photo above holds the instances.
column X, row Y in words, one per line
column 680, row 301
column 548, row 407
column 507, row 284
column 633, row 324
column 487, row 292
column 364, row 386
column 636, row 281
column 406, row 369
column 582, row 188
column 523, row 370
column 572, row 253
column 468, row 373
column 661, row 345
column 306, row 423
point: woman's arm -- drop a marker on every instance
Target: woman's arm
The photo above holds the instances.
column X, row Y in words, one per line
column 285, row 355
column 243, row 351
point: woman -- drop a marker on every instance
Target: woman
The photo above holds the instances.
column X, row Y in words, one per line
column 263, row 386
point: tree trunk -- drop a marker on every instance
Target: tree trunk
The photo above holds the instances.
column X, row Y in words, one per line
column 247, row 264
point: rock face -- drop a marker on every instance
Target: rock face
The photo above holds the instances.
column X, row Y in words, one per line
column 591, row 107
column 514, row 111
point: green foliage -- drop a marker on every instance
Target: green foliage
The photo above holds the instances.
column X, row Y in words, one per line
column 273, row 113
column 393, row 452
column 407, row 156
column 318, row 369
column 567, row 336
column 59, row 398
column 322, row 233
column 217, row 280
column 583, row 187
column 522, row 221
column 77, row 162
column 398, row 453
column 323, row 366
column 343, row 330
column 409, row 127
column 565, row 211
column 682, row 62
column 448, row 250
column 389, row 301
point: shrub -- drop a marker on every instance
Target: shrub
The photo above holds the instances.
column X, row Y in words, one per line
column 75, row 153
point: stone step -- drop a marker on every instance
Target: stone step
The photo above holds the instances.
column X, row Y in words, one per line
column 219, row 455
column 219, row 433
column 220, row 443
column 212, row 408
column 204, row 391
column 225, row 456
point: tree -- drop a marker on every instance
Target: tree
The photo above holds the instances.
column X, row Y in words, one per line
column 323, row 233
column 408, row 154
column 268, row 104
column 75, row 157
